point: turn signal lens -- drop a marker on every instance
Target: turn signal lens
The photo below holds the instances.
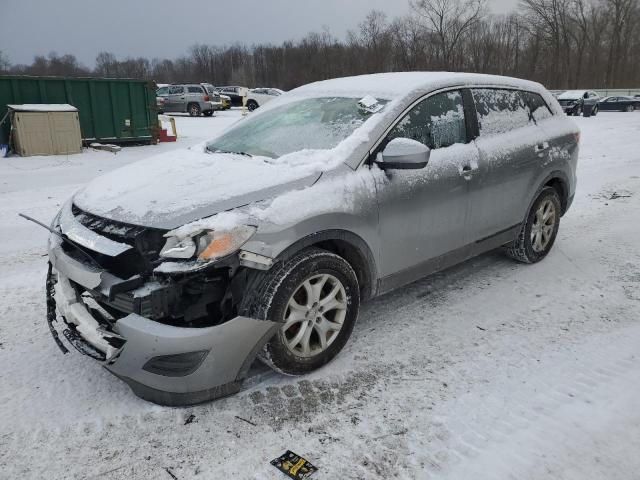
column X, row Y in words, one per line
column 221, row 244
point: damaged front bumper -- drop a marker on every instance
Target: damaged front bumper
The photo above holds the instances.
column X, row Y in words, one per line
column 165, row 364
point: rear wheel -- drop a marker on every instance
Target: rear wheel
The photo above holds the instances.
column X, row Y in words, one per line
column 252, row 105
column 629, row 108
column 595, row 111
column 315, row 296
column 539, row 231
column 194, row 110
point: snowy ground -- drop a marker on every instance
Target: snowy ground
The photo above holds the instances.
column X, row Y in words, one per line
column 490, row 370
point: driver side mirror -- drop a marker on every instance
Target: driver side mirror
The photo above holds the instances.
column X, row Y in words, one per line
column 404, row 154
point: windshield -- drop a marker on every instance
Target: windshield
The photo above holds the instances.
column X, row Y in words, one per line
column 314, row 124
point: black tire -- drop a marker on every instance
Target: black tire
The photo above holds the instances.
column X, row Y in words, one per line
column 194, row 110
column 252, row 105
column 522, row 249
column 269, row 299
column 208, row 113
column 595, row 111
column 629, row 108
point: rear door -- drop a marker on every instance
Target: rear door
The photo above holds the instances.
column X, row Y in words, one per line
column 511, row 148
column 423, row 213
column 175, row 101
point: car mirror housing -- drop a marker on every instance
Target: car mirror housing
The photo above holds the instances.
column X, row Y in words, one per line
column 405, row 154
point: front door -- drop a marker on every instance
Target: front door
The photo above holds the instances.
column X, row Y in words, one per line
column 423, row 213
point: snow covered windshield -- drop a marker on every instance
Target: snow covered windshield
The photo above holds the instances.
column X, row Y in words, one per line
column 310, row 124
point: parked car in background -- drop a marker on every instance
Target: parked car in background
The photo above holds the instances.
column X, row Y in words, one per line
column 233, row 93
column 575, row 102
column 191, row 98
column 175, row 272
column 259, row 96
column 214, row 96
column 619, row 104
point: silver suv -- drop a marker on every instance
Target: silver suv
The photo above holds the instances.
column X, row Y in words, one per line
column 177, row 271
column 191, row 98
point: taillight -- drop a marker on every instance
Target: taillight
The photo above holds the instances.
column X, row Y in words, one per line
column 206, row 98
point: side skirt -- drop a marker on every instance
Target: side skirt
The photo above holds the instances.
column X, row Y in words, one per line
column 409, row 275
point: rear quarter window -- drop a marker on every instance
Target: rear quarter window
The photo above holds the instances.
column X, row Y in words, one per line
column 195, row 90
column 499, row 110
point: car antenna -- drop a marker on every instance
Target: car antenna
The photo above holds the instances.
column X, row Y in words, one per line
column 62, row 237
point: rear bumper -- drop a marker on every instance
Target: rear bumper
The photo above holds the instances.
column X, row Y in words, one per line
column 164, row 364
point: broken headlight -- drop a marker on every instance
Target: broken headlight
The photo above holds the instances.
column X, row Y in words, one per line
column 207, row 245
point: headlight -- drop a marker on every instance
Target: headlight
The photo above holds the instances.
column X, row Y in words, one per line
column 207, row 245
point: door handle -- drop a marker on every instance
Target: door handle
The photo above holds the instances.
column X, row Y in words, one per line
column 467, row 172
column 541, row 147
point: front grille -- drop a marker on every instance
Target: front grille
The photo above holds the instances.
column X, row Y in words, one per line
column 146, row 243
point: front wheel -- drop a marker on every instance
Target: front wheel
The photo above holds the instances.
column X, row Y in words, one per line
column 315, row 296
column 595, row 111
column 252, row 105
column 539, row 231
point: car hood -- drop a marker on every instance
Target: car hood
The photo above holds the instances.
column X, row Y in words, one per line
column 169, row 190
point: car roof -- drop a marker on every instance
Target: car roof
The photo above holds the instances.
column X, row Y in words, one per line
column 396, row 85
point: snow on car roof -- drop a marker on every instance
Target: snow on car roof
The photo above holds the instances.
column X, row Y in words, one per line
column 398, row 84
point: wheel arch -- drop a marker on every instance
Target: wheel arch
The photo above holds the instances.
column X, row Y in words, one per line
column 558, row 181
column 349, row 246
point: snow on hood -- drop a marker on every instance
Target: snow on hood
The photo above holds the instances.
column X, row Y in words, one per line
column 171, row 189
column 571, row 95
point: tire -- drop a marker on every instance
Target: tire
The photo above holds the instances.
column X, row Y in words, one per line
column 194, row 110
column 594, row 112
column 527, row 250
column 290, row 283
column 629, row 108
column 252, row 105
column 208, row 113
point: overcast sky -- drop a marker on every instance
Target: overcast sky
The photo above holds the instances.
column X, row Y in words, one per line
column 166, row 28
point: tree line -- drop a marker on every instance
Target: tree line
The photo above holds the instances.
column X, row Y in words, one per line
column 560, row 43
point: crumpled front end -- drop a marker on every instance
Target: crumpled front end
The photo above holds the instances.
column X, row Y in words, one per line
column 175, row 339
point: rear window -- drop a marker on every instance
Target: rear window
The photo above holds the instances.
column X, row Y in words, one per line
column 499, row 110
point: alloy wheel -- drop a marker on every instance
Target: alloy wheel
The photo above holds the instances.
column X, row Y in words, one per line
column 543, row 226
column 314, row 315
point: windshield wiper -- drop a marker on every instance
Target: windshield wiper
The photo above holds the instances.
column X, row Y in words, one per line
column 217, row 150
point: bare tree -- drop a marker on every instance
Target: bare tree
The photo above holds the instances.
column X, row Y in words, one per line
column 449, row 21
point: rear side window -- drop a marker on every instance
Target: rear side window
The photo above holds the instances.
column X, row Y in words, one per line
column 537, row 106
column 500, row 111
column 195, row 89
column 437, row 121
column 176, row 90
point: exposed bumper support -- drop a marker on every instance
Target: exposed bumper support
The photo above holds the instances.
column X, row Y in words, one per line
column 132, row 342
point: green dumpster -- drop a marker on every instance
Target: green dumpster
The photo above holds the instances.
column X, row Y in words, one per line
column 110, row 110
